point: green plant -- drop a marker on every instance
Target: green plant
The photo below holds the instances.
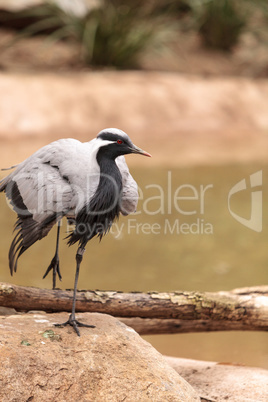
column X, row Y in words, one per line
column 112, row 33
column 116, row 36
column 221, row 23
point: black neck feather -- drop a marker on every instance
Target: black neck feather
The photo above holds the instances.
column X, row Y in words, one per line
column 97, row 216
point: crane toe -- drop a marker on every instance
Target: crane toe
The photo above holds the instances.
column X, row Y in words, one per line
column 74, row 323
column 55, row 267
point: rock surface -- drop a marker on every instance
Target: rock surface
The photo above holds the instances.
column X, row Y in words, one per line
column 14, row 5
column 223, row 382
column 107, row 363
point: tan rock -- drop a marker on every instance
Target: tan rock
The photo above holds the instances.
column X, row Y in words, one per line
column 14, row 5
column 223, row 382
column 107, row 363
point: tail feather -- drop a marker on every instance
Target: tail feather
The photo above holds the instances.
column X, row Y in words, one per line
column 15, row 247
column 27, row 229
column 28, row 232
column 3, row 184
column 9, row 168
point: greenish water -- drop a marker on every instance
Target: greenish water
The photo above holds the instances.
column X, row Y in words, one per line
column 172, row 243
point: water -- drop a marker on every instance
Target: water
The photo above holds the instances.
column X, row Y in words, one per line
column 172, row 243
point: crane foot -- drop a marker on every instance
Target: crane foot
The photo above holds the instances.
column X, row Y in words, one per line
column 55, row 267
column 75, row 324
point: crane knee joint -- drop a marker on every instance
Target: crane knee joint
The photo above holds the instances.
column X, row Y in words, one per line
column 79, row 254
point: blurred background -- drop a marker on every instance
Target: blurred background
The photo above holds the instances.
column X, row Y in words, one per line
column 187, row 80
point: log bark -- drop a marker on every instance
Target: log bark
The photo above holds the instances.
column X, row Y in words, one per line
column 153, row 312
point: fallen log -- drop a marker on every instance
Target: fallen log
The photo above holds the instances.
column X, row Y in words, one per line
column 154, row 326
column 154, row 312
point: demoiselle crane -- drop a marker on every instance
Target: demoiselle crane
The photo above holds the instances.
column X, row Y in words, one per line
column 87, row 182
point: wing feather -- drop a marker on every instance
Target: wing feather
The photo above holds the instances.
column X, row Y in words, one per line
column 40, row 196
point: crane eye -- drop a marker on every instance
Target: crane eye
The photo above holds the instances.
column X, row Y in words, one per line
column 119, row 141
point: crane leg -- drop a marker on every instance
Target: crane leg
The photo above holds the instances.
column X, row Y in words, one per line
column 72, row 320
column 54, row 265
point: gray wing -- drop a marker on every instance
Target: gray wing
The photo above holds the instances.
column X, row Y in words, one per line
column 40, row 195
column 130, row 189
column 39, row 183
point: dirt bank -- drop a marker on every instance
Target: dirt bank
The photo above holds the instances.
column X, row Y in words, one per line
column 179, row 119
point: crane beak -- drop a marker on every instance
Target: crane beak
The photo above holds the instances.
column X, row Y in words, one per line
column 136, row 150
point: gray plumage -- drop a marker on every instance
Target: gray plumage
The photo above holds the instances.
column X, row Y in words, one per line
column 88, row 182
column 57, row 181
